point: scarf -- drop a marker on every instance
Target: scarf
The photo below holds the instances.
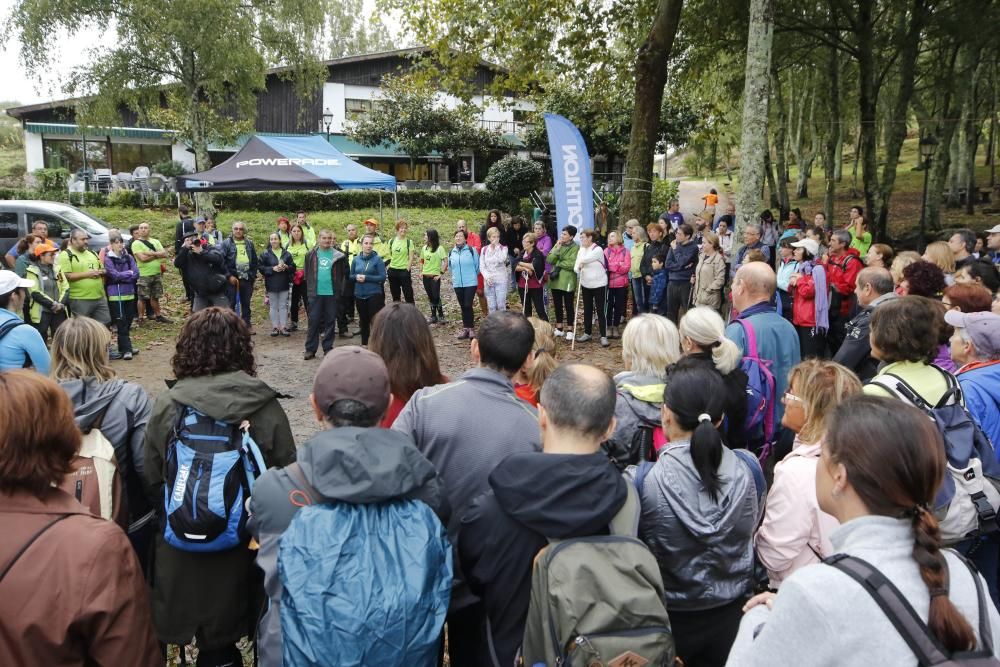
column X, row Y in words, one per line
column 821, row 301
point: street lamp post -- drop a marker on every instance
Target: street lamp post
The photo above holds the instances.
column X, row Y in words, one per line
column 928, row 145
column 327, row 122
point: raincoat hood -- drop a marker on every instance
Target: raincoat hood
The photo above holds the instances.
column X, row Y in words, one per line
column 228, row 397
column 90, row 398
column 643, row 394
column 559, row 495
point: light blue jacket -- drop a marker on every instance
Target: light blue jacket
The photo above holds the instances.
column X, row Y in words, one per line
column 981, row 386
column 463, row 263
column 22, row 344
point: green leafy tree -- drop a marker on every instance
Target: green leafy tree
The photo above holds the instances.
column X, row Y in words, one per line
column 350, row 32
column 512, row 178
column 195, row 66
column 410, row 115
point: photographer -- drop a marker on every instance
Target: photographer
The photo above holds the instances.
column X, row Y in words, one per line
column 204, row 269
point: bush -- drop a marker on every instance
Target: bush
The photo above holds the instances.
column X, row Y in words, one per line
column 124, row 199
column 512, row 178
column 51, row 178
column 88, row 199
column 17, row 171
column 170, row 169
column 347, row 200
column 663, row 192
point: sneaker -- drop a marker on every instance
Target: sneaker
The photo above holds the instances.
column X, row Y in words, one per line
column 463, row 334
column 114, row 355
column 558, row 333
column 127, row 356
column 308, row 355
column 164, row 320
column 583, row 339
column 284, row 332
column 604, row 341
column 569, row 336
column 274, row 333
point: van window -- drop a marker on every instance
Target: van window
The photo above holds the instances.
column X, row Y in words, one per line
column 56, row 225
column 8, row 226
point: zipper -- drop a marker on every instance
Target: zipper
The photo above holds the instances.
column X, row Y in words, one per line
column 584, row 640
column 194, row 491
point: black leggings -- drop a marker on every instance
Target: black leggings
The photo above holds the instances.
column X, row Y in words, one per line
column 433, row 289
column 592, row 296
column 563, row 301
column 299, row 296
column 812, row 343
column 466, row 297
column 705, row 637
column 367, row 310
column 535, row 298
column 399, row 280
column 617, row 299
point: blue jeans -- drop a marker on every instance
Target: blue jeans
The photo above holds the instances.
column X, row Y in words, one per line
column 640, row 293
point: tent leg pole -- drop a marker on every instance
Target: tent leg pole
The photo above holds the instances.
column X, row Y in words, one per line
column 381, row 222
column 395, row 205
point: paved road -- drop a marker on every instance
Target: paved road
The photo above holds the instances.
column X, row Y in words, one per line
column 691, row 192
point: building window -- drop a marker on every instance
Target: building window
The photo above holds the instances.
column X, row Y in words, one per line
column 357, row 109
column 74, row 154
column 126, row 157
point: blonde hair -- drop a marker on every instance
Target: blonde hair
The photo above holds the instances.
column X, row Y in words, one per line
column 544, row 350
column 900, row 262
column 80, row 350
column 650, row 343
column 529, row 237
column 705, row 327
column 822, row 386
column 493, row 231
column 712, row 238
column 940, row 254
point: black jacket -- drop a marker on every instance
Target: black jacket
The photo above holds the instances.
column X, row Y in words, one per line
column 277, row 281
column 205, row 272
column 856, row 350
column 229, row 253
column 653, row 249
column 183, row 227
column 533, row 496
column 680, row 261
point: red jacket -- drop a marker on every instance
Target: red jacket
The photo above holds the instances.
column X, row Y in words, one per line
column 842, row 274
column 804, row 301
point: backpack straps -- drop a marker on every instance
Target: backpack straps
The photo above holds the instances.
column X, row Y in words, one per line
column 751, row 461
column 626, row 521
column 31, row 540
column 10, row 325
column 751, row 338
column 897, row 609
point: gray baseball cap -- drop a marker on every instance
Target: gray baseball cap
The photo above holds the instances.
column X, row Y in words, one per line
column 983, row 330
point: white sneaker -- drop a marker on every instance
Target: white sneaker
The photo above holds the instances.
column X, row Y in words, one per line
column 558, row 333
column 569, row 336
column 604, row 341
column 583, row 339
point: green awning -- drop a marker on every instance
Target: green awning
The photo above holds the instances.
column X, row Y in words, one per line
column 126, row 132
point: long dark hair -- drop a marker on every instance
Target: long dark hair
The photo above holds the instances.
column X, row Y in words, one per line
column 400, row 336
column 489, row 214
column 213, row 341
column 693, row 390
column 894, row 457
column 433, row 240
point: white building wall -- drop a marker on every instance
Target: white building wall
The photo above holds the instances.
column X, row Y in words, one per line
column 180, row 153
column 34, row 157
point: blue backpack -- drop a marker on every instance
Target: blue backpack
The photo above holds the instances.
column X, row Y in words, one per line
column 210, row 468
column 364, row 585
column 761, row 399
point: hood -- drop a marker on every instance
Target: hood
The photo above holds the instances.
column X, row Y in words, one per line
column 559, row 495
column 364, row 465
column 90, row 398
column 642, row 387
column 229, row 397
column 678, row 482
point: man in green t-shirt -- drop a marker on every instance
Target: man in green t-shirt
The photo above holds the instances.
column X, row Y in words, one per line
column 85, row 273
column 325, row 271
column 149, row 255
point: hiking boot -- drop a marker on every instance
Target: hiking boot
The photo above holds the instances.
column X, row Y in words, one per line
column 164, row 320
column 604, row 341
column 127, row 356
column 274, row 333
column 583, row 339
column 308, row 355
column 114, row 355
column 463, row 334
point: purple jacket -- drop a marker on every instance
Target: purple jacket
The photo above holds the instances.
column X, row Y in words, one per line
column 120, row 277
column 544, row 245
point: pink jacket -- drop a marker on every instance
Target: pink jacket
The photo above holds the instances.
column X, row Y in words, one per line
column 619, row 264
column 795, row 532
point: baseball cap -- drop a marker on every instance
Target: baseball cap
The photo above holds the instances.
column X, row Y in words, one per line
column 10, row 281
column 994, row 230
column 355, row 373
column 43, row 248
column 983, row 330
column 810, row 245
column 372, row 221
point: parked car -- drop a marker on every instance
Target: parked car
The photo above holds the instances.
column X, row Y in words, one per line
column 18, row 216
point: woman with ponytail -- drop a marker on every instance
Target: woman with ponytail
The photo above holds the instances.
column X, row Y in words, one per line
column 528, row 384
column 703, row 339
column 700, row 506
column 880, row 468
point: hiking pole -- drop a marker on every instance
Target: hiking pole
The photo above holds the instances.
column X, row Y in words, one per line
column 576, row 313
column 524, row 297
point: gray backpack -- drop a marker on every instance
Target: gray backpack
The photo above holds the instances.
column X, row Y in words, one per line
column 598, row 600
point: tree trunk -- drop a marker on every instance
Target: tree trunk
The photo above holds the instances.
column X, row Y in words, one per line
column 895, row 132
column 199, row 142
column 954, row 169
column 780, row 145
column 805, row 157
column 753, row 140
column 772, row 183
column 835, row 134
column 650, row 79
column 868, row 107
column 973, row 127
column 946, row 110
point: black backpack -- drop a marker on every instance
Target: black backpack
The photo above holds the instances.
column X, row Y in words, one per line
column 911, row 628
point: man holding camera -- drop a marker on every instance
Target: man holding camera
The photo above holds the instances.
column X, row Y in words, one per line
column 204, row 270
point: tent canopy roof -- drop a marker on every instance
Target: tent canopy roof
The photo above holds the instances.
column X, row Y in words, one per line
column 287, row 163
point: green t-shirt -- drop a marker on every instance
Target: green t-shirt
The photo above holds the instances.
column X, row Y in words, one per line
column 324, row 276
column 432, row 260
column 399, row 253
column 862, row 243
column 152, row 267
column 86, row 289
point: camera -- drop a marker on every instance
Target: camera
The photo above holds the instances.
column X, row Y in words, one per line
column 197, row 241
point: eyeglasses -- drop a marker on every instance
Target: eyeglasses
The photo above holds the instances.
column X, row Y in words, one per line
column 789, row 397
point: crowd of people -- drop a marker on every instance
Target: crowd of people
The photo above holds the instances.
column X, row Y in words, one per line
column 760, row 477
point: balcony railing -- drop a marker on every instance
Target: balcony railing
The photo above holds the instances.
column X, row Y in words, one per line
column 507, row 126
